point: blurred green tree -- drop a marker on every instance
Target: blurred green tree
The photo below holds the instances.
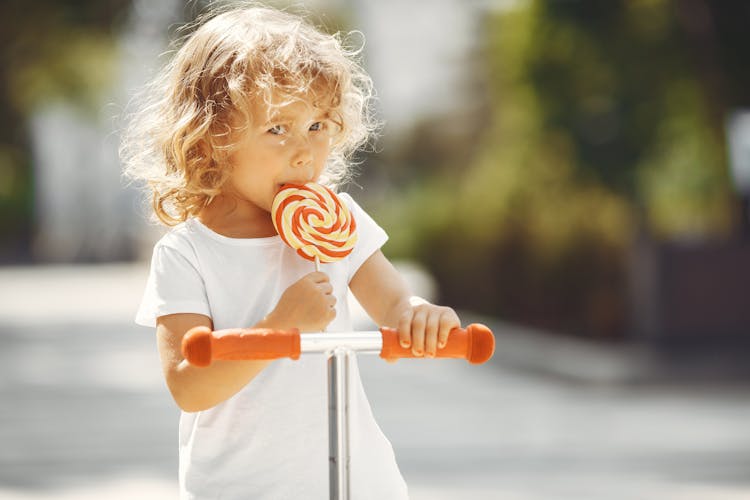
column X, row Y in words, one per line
column 602, row 123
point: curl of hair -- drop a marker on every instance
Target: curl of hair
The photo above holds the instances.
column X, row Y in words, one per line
column 182, row 130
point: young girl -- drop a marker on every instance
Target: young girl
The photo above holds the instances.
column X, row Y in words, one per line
column 254, row 99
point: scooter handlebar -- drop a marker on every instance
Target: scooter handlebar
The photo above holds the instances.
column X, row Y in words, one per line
column 201, row 346
column 476, row 344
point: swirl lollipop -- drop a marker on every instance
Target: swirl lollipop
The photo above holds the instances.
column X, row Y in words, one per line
column 312, row 220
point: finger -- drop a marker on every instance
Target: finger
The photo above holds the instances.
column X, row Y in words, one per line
column 319, row 277
column 326, row 287
column 431, row 333
column 331, row 314
column 404, row 329
column 418, row 324
column 448, row 322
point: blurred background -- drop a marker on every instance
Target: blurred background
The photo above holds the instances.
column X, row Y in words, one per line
column 576, row 174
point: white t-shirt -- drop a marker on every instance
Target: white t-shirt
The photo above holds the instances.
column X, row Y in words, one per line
column 270, row 440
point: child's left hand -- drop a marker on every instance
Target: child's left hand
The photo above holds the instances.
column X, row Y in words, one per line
column 384, row 294
column 425, row 327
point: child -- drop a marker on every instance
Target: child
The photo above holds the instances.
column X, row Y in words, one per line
column 254, row 99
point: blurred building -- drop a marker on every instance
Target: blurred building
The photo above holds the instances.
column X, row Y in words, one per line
column 417, row 53
column 83, row 213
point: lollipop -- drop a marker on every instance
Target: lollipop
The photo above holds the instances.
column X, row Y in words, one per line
column 312, row 220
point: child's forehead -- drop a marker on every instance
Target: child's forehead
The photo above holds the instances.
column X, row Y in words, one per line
column 276, row 107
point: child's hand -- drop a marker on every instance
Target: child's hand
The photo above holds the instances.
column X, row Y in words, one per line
column 425, row 327
column 307, row 305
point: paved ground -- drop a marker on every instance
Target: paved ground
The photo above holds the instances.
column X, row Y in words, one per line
column 85, row 415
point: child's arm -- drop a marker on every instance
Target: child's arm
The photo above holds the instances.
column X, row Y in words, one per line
column 385, row 296
column 308, row 305
column 194, row 388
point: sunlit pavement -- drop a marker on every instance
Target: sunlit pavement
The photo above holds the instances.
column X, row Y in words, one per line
column 85, row 414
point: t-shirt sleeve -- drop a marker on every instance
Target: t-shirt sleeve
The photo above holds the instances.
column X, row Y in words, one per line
column 174, row 286
column 370, row 236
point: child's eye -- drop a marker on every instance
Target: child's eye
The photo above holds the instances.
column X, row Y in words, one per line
column 317, row 126
column 277, row 130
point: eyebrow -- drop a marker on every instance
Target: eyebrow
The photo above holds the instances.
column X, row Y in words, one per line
column 289, row 118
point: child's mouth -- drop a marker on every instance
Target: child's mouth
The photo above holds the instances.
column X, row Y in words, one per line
column 291, row 183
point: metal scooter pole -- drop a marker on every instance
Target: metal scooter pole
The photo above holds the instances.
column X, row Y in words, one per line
column 338, row 423
column 339, row 364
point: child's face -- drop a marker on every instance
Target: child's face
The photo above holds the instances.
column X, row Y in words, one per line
column 287, row 144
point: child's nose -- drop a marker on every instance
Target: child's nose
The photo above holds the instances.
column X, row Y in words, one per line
column 302, row 154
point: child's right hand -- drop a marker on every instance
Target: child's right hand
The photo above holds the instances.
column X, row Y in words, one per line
column 308, row 305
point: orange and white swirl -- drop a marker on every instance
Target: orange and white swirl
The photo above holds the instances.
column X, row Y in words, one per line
column 313, row 220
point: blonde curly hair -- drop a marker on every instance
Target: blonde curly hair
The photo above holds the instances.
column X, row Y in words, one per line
column 182, row 130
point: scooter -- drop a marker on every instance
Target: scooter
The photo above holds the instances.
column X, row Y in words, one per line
column 201, row 346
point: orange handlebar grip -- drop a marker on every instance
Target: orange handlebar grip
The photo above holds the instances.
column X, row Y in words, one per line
column 476, row 344
column 201, row 346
